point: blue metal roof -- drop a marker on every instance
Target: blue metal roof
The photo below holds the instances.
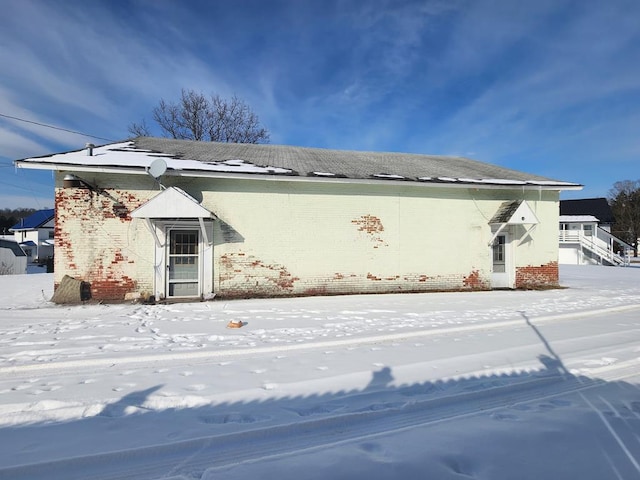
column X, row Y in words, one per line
column 34, row 220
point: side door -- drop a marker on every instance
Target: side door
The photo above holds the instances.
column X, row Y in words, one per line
column 501, row 275
column 183, row 263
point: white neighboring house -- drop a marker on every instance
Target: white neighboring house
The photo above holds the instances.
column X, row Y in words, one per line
column 35, row 235
column 584, row 242
column 13, row 261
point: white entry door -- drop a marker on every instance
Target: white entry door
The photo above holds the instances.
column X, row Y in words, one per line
column 183, row 263
column 501, row 273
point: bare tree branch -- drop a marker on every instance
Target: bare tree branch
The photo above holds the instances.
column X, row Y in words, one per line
column 196, row 117
column 139, row 129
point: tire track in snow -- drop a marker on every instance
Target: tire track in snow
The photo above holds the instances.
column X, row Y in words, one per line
column 201, row 356
column 191, row 458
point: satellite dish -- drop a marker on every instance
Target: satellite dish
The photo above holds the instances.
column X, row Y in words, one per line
column 157, row 168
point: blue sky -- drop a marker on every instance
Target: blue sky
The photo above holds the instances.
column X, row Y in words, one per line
column 550, row 87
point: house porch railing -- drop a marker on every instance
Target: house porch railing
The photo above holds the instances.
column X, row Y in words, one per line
column 603, row 245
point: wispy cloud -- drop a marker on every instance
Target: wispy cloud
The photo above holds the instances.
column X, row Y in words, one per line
column 539, row 86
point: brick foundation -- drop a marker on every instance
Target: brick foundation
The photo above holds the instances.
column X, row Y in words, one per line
column 244, row 276
column 535, row 277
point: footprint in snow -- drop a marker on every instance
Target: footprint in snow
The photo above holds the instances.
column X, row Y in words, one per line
column 20, row 387
column 504, row 417
column 522, row 408
column 231, row 418
column 318, row 410
column 376, row 407
column 196, row 388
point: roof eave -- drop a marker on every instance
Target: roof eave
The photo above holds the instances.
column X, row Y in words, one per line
column 135, row 170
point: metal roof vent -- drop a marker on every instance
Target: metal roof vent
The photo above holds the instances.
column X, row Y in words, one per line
column 71, row 181
column 90, row 147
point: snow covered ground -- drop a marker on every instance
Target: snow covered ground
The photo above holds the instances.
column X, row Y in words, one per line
column 487, row 385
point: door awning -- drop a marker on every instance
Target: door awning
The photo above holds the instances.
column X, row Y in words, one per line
column 515, row 212
column 172, row 203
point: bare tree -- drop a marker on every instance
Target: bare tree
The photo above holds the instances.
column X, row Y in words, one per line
column 233, row 121
column 139, row 129
column 624, row 199
column 197, row 117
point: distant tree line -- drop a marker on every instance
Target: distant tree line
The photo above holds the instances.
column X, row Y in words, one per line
column 624, row 200
column 9, row 217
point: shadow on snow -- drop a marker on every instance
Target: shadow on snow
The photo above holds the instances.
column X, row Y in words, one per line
column 241, row 431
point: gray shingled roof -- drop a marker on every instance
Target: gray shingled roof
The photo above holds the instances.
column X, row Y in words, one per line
column 505, row 212
column 305, row 161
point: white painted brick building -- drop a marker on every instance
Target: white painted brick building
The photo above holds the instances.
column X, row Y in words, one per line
column 264, row 220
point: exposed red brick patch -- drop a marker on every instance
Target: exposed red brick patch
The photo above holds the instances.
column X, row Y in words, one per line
column 371, row 226
column 248, row 276
column 474, row 281
column 82, row 216
column 109, row 282
column 319, row 291
column 534, row 277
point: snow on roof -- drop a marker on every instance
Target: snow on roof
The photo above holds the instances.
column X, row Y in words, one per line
column 126, row 154
column 578, row 219
column 388, row 176
column 186, row 157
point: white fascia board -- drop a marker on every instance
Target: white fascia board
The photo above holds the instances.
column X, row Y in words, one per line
column 297, row 178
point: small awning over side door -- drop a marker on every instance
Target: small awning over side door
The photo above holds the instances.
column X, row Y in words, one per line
column 173, row 202
column 515, row 212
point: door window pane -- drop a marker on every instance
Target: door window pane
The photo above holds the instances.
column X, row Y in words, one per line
column 181, row 268
column 184, row 243
column 183, row 289
column 499, row 254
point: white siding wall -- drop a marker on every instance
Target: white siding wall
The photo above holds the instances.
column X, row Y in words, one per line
column 10, row 264
column 314, row 238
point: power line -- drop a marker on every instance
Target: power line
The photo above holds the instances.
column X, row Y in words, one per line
column 56, row 128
